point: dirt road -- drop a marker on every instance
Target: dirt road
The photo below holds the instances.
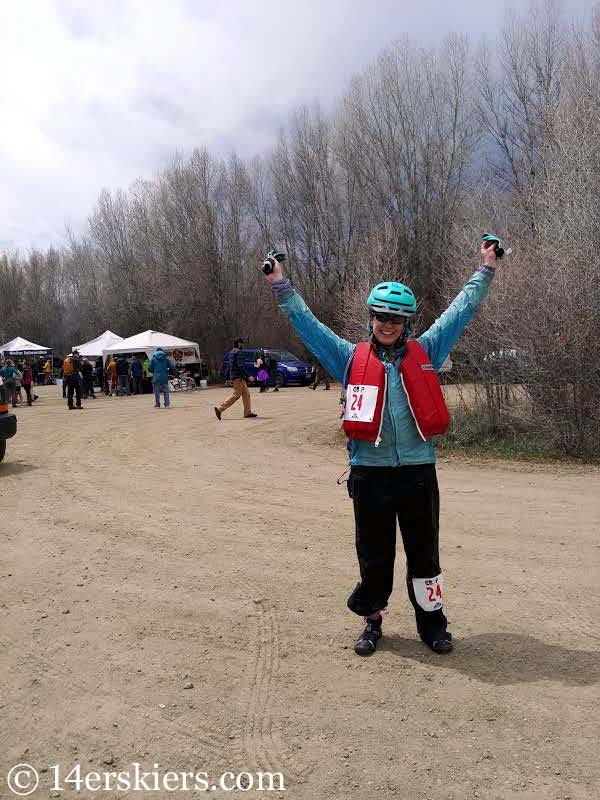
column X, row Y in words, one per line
column 146, row 551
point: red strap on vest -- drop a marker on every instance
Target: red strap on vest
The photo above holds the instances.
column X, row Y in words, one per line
column 365, row 370
column 423, row 391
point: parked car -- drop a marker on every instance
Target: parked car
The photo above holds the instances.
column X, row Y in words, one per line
column 290, row 368
column 8, row 422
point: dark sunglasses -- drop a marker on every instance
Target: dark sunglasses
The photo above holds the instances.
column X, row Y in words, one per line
column 396, row 319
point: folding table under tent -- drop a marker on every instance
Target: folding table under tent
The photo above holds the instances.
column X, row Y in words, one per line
column 95, row 347
column 21, row 347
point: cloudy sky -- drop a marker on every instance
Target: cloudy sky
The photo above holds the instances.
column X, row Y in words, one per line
column 96, row 93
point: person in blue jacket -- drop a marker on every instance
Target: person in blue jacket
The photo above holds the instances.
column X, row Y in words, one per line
column 161, row 367
column 394, row 479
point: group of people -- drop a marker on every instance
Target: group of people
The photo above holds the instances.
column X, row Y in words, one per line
column 18, row 379
column 119, row 377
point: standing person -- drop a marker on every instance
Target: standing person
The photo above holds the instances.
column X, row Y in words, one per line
column 27, row 382
column 262, row 375
column 160, row 367
column 72, row 375
column 320, row 375
column 111, row 370
column 238, row 376
column 48, row 372
column 147, row 374
column 18, row 380
column 87, row 378
column 272, row 369
column 101, row 375
column 392, row 475
column 137, row 372
column 123, row 376
column 8, row 373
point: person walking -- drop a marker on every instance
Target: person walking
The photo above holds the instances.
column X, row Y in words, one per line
column 392, row 462
column 72, row 375
column 238, row 375
column 161, row 366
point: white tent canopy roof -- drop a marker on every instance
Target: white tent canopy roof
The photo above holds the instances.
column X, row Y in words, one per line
column 20, row 345
column 149, row 341
column 95, row 347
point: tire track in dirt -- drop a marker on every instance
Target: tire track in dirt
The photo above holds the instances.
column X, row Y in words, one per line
column 262, row 739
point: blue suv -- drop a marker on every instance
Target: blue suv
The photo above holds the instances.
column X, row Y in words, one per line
column 290, row 368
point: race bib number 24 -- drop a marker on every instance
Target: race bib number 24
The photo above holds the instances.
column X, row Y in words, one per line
column 361, row 401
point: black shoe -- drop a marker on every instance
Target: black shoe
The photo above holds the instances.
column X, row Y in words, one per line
column 440, row 642
column 218, row 413
column 367, row 643
column 251, row 415
column 276, row 389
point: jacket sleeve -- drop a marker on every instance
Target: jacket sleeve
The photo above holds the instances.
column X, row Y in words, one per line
column 331, row 350
column 440, row 338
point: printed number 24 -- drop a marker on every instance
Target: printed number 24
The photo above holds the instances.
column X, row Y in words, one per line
column 433, row 592
column 357, row 400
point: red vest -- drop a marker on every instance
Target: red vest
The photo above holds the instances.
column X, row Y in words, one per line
column 367, row 387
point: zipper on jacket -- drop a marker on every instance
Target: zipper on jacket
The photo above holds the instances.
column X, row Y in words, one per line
column 378, row 439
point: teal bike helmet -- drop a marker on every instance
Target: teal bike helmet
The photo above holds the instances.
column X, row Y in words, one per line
column 392, row 298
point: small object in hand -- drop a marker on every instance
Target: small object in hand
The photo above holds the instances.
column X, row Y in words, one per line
column 269, row 262
column 499, row 248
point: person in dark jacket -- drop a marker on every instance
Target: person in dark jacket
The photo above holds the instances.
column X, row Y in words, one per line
column 239, row 377
column 72, row 375
column 123, row 376
column 137, row 373
column 27, row 382
column 161, row 367
column 87, row 376
column 100, row 375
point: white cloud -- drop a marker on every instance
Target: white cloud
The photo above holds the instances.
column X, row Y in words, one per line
column 98, row 94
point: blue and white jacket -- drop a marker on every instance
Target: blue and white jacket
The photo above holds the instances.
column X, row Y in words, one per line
column 400, row 441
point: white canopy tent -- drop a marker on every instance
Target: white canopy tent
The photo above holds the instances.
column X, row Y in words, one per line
column 20, row 346
column 95, row 347
column 181, row 350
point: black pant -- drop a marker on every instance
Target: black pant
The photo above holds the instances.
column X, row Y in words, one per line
column 88, row 385
column 73, row 385
column 27, row 388
column 382, row 495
